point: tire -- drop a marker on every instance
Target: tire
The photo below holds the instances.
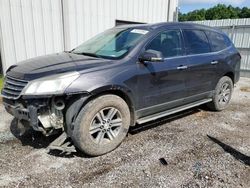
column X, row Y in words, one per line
column 222, row 95
column 94, row 133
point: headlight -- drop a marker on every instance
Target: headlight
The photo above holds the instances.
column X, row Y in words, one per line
column 55, row 84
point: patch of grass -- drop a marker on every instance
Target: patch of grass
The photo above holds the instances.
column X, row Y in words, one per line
column 1, row 82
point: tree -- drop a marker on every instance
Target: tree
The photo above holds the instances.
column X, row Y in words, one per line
column 194, row 15
column 245, row 13
column 233, row 12
column 219, row 11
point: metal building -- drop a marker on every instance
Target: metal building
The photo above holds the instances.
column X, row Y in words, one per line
column 30, row 28
column 239, row 32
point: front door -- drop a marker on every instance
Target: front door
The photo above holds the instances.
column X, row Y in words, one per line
column 161, row 84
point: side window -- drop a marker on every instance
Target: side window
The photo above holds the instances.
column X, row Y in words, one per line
column 227, row 41
column 218, row 41
column 168, row 43
column 196, row 42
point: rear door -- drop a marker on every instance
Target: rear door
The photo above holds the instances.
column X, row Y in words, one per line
column 201, row 65
column 221, row 57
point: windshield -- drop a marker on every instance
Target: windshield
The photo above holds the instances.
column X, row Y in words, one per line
column 113, row 43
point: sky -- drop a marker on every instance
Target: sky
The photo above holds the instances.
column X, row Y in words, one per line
column 190, row 5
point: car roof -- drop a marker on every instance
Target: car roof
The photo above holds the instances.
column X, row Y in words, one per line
column 182, row 25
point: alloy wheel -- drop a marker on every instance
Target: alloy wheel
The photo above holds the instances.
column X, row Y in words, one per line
column 224, row 94
column 105, row 125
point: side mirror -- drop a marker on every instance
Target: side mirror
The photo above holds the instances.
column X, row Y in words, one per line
column 151, row 55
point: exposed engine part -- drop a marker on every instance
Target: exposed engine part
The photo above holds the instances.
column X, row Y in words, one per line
column 54, row 117
column 58, row 104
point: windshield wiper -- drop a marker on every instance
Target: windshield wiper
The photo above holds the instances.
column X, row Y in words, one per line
column 88, row 54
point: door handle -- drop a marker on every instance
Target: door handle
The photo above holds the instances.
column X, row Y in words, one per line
column 214, row 62
column 182, row 67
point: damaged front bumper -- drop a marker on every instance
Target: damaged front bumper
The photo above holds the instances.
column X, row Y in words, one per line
column 28, row 114
column 44, row 115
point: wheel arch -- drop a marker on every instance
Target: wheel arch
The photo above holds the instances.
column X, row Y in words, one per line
column 230, row 75
column 120, row 91
column 79, row 101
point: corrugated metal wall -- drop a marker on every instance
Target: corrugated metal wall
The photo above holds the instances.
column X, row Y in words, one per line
column 239, row 32
column 84, row 19
column 30, row 28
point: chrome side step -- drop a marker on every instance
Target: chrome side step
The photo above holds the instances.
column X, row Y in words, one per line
column 171, row 111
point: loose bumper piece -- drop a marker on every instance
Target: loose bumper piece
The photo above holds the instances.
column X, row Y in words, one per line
column 63, row 144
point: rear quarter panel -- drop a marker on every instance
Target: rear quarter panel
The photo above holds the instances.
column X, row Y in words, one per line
column 229, row 64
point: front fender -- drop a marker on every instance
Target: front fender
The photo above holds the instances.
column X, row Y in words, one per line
column 112, row 88
column 76, row 105
column 121, row 79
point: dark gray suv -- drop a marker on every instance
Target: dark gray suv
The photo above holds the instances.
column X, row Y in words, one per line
column 124, row 76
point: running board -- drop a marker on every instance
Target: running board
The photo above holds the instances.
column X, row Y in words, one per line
column 171, row 111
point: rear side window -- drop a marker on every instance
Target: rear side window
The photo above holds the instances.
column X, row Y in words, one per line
column 218, row 41
column 196, row 42
column 168, row 43
column 227, row 41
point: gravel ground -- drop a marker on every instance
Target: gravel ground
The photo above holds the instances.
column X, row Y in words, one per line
column 201, row 148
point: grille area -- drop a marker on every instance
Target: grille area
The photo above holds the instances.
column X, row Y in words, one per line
column 13, row 87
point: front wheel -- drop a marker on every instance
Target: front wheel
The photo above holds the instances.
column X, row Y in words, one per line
column 222, row 95
column 101, row 125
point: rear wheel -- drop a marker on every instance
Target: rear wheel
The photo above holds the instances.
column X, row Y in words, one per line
column 222, row 95
column 101, row 125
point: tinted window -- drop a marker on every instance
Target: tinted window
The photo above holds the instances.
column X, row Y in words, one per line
column 196, row 42
column 168, row 43
column 227, row 41
column 218, row 41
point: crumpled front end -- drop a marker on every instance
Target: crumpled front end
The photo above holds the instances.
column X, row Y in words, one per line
column 44, row 115
column 40, row 103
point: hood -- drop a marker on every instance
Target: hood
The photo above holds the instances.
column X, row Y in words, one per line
column 53, row 64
